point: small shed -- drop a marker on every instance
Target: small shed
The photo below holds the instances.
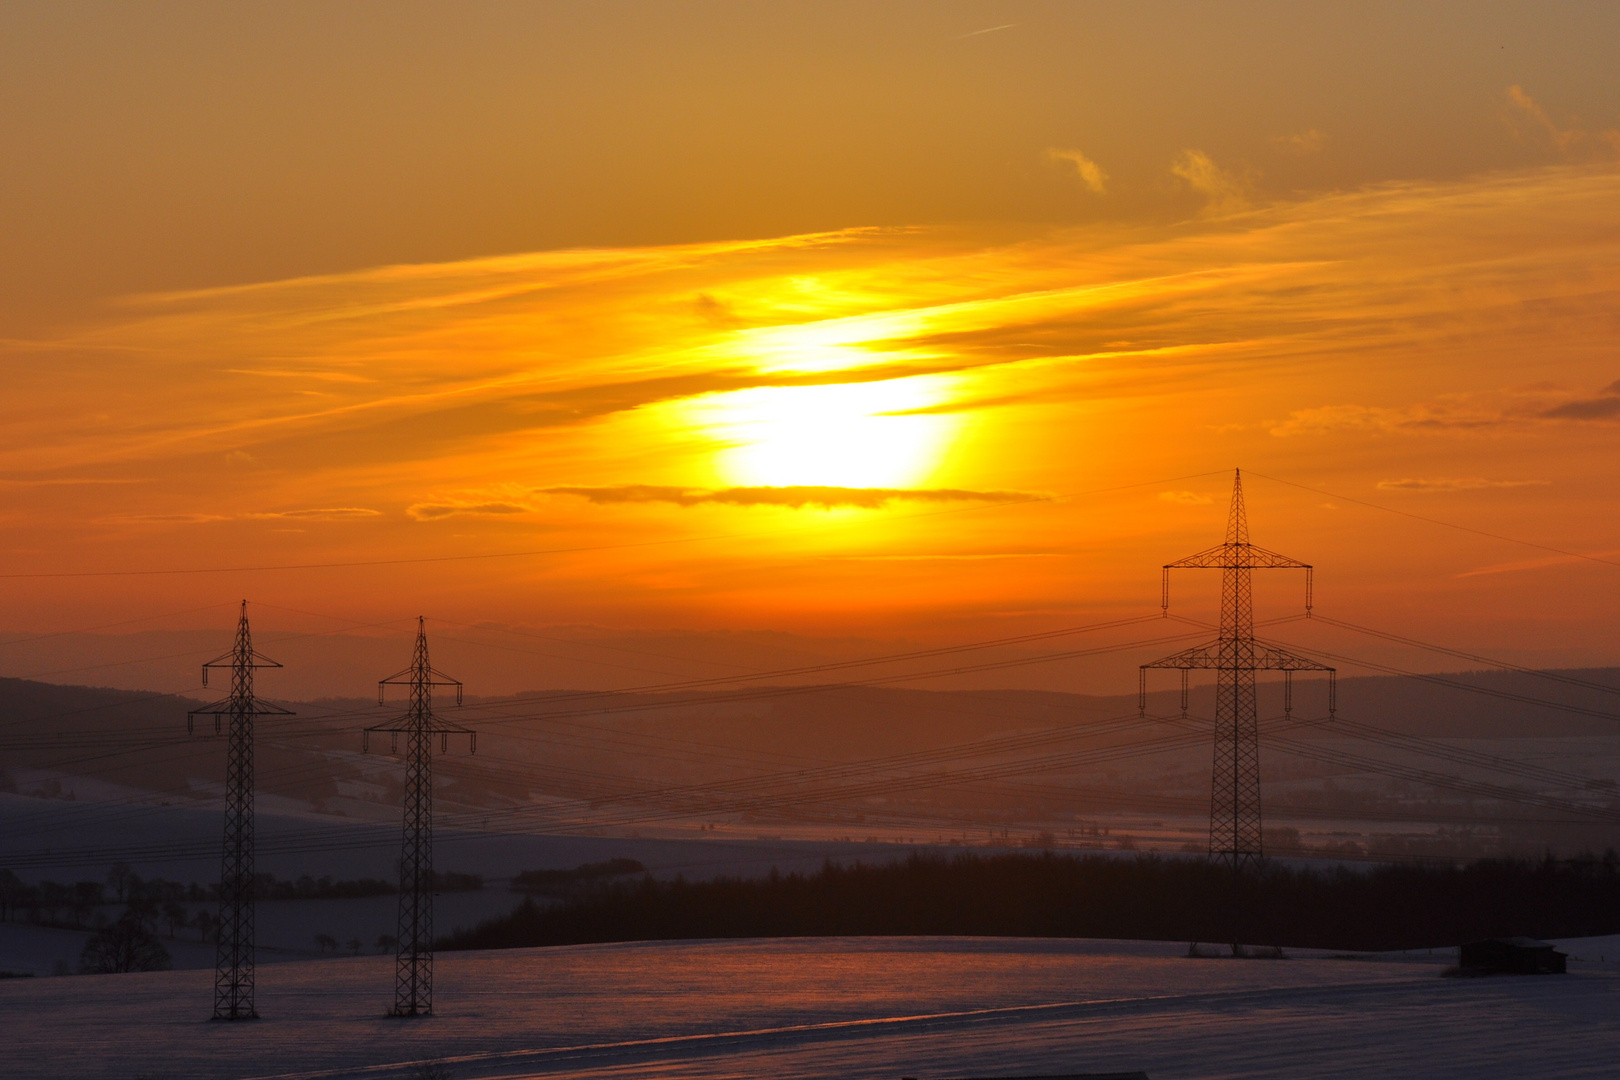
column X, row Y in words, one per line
column 1511, row 956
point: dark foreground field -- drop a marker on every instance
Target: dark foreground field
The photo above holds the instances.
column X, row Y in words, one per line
column 1144, row 898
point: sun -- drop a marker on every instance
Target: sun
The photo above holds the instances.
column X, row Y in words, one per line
column 875, row 434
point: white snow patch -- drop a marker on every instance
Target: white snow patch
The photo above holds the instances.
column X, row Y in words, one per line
column 839, row 1007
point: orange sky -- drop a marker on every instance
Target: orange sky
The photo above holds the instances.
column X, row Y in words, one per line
column 922, row 320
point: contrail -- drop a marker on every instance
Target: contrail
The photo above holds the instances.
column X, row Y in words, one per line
column 987, row 30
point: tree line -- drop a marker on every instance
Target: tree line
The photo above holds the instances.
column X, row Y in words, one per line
column 570, row 882
column 1144, row 897
column 76, row 905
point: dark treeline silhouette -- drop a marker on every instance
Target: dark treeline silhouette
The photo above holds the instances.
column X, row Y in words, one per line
column 53, row 903
column 269, row 887
column 157, row 902
column 1147, row 897
column 452, row 881
column 571, row 882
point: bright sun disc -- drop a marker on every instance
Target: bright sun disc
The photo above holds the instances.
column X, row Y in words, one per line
column 847, row 435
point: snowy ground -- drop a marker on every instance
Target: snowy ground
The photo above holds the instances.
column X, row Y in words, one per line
column 880, row 1007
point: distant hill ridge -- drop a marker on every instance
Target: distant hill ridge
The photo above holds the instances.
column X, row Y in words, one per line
column 46, row 727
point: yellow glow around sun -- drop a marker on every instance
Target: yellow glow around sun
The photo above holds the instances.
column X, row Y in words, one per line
column 844, row 435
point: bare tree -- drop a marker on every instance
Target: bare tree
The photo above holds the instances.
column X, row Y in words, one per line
column 142, row 907
column 86, row 895
column 118, row 878
column 125, row 945
column 12, row 892
column 174, row 913
column 326, row 943
column 53, row 897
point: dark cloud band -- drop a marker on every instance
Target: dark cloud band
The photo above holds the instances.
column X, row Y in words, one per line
column 793, row 497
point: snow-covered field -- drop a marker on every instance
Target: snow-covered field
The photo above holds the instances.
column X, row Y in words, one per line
column 876, row 1007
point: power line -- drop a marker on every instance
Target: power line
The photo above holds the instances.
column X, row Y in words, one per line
column 1438, row 521
column 1441, row 680
column 554, row 718
column 1551, row 676
column 665, row 804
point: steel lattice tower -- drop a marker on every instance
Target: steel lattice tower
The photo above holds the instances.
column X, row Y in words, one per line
column 233, row 967
column 413, row 972
column 1235, row 656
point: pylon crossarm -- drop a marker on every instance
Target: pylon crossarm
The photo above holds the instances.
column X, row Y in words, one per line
column 1281, row 659
column 1215, row 556
column 221, row 709
column 408, row 678
column 1260, row 558
column 228, row 660
column 1260, row 657
column 439, row 678
column 225, row 708
column 1199, row 656
column 1238, row 556
column 433, row 724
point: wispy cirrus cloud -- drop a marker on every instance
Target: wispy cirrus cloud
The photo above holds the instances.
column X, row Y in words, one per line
column 1532, row 123
column 1090, row 174
column 70, row 481
column 175, row 518
column 1458, row 412
column 1604, row 406
column 794, row 497
column 1455, row 483
column 1301, row 143
column 1186, row 498
column 321, row 513
column 456, row 391
column 1428, row 416
column 435, row 511
column 1224, row 191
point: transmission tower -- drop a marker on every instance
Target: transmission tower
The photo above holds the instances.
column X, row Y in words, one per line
column 1235, row 656
column 413, row 971
column 233, row 964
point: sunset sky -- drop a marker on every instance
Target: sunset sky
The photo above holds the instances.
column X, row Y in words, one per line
column 931, row 321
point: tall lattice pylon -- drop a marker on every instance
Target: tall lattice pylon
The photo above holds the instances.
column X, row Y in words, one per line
column 413, row 972
column 1235, row 656
column 233, row 961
